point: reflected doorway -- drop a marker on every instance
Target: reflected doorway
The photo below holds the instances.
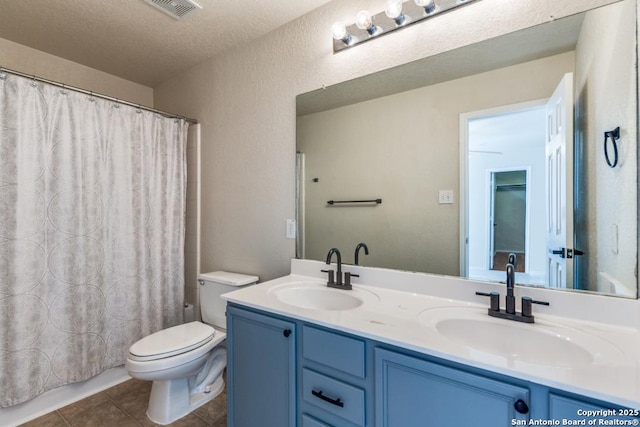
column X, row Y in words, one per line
column 506, row 200
column 509, row 218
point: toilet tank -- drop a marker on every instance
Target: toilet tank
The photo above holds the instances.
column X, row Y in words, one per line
column 212, row 285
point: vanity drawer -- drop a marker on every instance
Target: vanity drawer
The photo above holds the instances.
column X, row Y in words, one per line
column 336, row 397
column 308, row 421
column 335, row 351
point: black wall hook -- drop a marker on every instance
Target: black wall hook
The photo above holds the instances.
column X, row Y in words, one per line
column 614, row 135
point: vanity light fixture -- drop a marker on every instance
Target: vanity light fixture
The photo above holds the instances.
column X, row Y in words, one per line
column 398, row 14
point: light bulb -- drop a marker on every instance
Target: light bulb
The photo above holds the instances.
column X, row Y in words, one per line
column 394, row 11
column 429, row 5
column 339, row 32
column 364, row 21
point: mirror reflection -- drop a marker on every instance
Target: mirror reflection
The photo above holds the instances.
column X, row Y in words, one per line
column 491, row 149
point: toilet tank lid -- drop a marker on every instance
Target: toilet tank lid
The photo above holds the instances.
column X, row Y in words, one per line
column 231, row 279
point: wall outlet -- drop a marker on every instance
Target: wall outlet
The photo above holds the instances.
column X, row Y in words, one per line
column 291, row 228
column 445, row 197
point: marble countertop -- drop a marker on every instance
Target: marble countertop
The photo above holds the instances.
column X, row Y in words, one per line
column 406, row 319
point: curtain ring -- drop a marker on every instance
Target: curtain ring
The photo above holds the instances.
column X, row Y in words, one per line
column 33, row 81
column 615, row 136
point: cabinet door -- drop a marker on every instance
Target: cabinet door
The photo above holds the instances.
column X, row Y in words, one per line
column 414, row 392
column 260, row 370
column 566, row 408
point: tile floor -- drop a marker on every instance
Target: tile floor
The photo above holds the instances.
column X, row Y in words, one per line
column 125, row 405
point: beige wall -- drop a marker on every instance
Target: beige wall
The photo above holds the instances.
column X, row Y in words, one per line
column 245, row 100
column 404, row 148
column 604, row 102
column 31, row 61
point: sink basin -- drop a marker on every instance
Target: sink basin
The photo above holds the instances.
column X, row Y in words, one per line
column 541, row 343
column 317, row 296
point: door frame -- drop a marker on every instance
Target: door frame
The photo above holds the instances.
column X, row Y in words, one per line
column 464, row 119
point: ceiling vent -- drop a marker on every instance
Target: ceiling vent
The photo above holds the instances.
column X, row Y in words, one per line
column 177, row 9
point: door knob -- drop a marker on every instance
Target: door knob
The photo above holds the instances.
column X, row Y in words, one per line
column 557, row 252
column 521, row 407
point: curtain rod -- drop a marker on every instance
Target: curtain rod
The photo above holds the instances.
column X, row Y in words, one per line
column 97, row 95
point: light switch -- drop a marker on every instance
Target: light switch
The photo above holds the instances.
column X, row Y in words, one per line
column 291, row 228
column 445, row 197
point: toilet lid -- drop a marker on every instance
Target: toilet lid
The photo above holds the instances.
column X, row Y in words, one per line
column 171, row 341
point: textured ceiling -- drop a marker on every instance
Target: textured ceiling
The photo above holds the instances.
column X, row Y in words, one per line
column 135, row 41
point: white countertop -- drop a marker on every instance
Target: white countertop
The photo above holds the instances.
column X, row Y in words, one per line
column 401, row 318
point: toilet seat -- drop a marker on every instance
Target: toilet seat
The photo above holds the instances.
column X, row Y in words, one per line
column 172, row 342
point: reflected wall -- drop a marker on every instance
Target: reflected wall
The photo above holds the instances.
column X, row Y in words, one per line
column 403, row 148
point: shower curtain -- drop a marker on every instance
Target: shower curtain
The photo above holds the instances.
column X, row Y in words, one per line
column 92, row 199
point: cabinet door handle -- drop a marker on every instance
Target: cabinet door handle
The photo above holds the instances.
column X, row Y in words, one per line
column 521, row 407
column 286, row 333
column 336, row 402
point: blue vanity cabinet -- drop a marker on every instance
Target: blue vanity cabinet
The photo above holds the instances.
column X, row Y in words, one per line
column 412, row 391
column 261, row 362
column 285, row 373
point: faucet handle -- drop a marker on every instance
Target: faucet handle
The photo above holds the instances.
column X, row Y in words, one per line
column 494, row 302
column 526, row 305
column 347, row 279
column 331, row 280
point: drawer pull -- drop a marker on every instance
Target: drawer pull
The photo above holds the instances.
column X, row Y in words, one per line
column 336, row 402
column 286, row 333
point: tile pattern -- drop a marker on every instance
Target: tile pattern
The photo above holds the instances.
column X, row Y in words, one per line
column 125, row 405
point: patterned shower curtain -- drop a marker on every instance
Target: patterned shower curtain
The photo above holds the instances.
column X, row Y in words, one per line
column 92, row 199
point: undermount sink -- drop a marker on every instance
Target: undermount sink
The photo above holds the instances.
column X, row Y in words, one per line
column 317, row 296
column 541, row 343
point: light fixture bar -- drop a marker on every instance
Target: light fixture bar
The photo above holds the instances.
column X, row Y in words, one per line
column 389, row 20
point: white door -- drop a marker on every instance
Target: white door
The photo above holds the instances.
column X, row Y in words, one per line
column 559, row 154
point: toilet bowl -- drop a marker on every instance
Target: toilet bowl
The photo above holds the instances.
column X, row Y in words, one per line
column 186, row 362
column 172, row 358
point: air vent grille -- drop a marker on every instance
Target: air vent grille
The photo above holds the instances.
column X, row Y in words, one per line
column 177, row 9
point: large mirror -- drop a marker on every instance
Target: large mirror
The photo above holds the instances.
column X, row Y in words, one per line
column 449, row 164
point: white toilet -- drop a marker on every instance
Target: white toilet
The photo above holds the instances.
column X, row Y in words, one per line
column 186, row 362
